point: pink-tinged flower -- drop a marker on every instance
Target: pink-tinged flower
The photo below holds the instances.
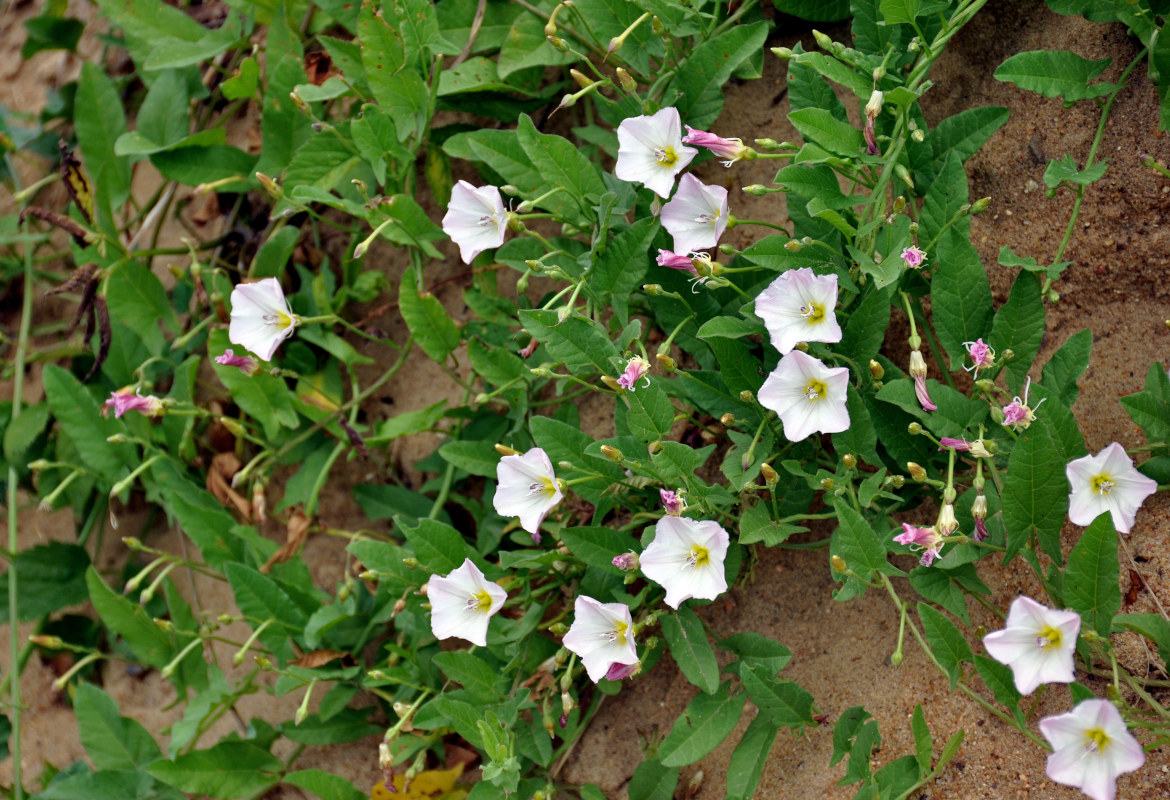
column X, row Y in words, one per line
column 1091, row 746
column 635, row 370
column 696, row 216
column 476, row 219
column 918, row 373
column 668, row 258
column 602, row 636
column 686, row 559
column 927, row 540
column 246, row 364
column 1107, row 482
column 872, row 109
column 977, row 448
column 799, row 307
column 1017, row 414
column 981, row 355
column 651, row 150
column 730, row 149
column 913, row 257
column 1037, row 642
column 528, row 488
column 617, row 672
column 128, row 399
column 671, row 502
column 979, row 515
column 626, row 561
column 463, row 603
column 808, row 396
column 261, row 317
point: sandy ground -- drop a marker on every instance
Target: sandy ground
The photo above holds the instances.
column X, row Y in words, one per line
column 840, row 650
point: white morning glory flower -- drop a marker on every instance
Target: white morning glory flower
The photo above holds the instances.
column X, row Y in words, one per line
column 261, row 317
column 696, row 216
column 602, row 635
column 651, row 150
column 686, row 559
column 1037, row 642
column 476, row 219
column 1107, row 482
column 527, row 488
column 463, row 603
column 799, row 307
column 1091, row 746
column 808, row 396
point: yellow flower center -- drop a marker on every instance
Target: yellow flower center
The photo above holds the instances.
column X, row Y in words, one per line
column 815, row 390
column 812, row 312
column 1096, row 740
column 666, row 156
column 618, row 634
column 1049, row 638
column 543, row 486
column 699, row 557
column 480, row 601
column 1103, row 484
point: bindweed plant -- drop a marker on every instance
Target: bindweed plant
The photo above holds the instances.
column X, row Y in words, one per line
column 846, row 374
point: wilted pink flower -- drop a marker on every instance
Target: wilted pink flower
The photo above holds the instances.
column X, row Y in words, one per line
column 731, row 149
column 925, row 539
column 872, row 109
column 667, row 258
column 918, row 373
column 979, row 514
column 635, row 370
column 127, row 399
column 982, row 356
column 671, row 502
column 617, row 672
column 913, row 257
column 1017, row 414
column 246, row 364
column 529, row 348
column 626, row 561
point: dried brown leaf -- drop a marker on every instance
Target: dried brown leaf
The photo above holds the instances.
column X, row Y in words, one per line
column 295, row 534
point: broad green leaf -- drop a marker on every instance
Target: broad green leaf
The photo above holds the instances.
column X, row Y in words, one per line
column 857, row 543
column 701, row 80
column 501, row 152
column 1067, row 365
column 433, row 330
column 960, row 296
column 597, row 546
column 807, row 86
column 152, row 21
column 942, row 210
column 320, row 163
column 1055, row 73
column 1151, row 626
column 1019, row 327
column 261, row 598
column 998, row 678
column 264, row 397
column 1090, row 579
column 747, row 760
column 1065, row 169
column 896, row 12
column 383, row 51
column 137, row 299
column 283, row 128
column 849, row 723
column 111, row 741
column 941, row 587
column 684, row 632
column 151, row 645
column 923, row 744
column 945, row 640
column 862, row 334
column 439, row 548
column 99, row 121
column 578, row 342
column 229, row 770
column 964, row 133
column 650, row 414
column 348, row 725
column 754, row 650
column 622, row 267
column 177, row 53
column 206, row 164
column 652, row 781
column 325, row 785
column 786, row 703
column 472, row 673
column 729, row 328
column 756, row 525
column 561, row 164
column 898, row 777
column 476, row 457
column 815, row 181
column 814, row 11
column 526, row 45
column 1035, row 492
column 49, row 577
column 1149, row 408
column 386, row 559
column 103, row 785
column 821, row 127
column 859, row 438
column 1008, row 258
column 703, row 726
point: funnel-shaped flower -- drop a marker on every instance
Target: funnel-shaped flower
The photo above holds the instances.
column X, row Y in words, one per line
column 528, row 488
column 799, row 307
column 1037, row 642
column 696, row 216
column 1091, row 746
column 686, row 559
column 1107, row 482
column 261, row 317
column 602, row 635
column 476, row 219
column 808, row 396
column 463, row 602
column 651, row 150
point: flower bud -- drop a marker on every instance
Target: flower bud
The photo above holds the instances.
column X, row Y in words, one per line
column 793, row 246
column 652, row 289
column 612, row 453
column 979, row 507
column 839, row 565
column 767, row 144
column 665, row 362
column 849, row 460
column 412, row 563
column 914, row 429
column 559, row 629
column 47, row 642
column 917, row 473
column 582, row 80
column 896, row 659
column 756, row 190
column 626, row 561
column 1008, row 354
column 894, row 481
column 625, row 80
column 876, row 370
column 612, row 383
column 947, row 523
column 828, row 484
column 1053, row 296
column 558, row 43
column 746, row 397
column 997, row 415
column 654, row 447
column 504, row 450
column 783, row 53
column 823, row 41
column 918, row 136
column 770, row 476
column 981, row 448
column 980, row 205
column 874, row 106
